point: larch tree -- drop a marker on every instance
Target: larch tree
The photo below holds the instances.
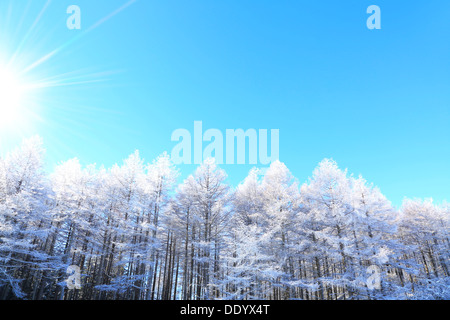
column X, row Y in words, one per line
column 132, row 233
column 24, row 217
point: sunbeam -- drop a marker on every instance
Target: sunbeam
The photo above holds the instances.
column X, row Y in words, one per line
column 31, row 74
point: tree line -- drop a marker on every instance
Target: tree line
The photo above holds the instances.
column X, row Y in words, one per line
column 135, row 234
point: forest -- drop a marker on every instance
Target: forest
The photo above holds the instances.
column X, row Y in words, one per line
column 135, row 233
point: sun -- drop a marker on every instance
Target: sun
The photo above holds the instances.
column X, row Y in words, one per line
column 12, row 97
column 35, row 82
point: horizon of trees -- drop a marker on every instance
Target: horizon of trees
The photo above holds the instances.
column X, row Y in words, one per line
column 135, row 234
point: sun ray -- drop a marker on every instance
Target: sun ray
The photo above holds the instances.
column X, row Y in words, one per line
column 112, row 14
column 28, row 34
column 49, row 55
column 29, row 90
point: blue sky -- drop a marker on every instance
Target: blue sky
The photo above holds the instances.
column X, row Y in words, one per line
column 376, row 101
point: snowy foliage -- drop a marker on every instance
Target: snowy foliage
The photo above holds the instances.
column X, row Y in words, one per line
column 135, row 234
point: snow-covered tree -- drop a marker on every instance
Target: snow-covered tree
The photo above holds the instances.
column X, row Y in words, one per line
column 425, row 228
column 248, row 268
column 207, row 214
column 133, row 234
column 23, row 216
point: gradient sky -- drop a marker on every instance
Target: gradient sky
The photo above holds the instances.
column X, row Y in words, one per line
column 376, row 101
